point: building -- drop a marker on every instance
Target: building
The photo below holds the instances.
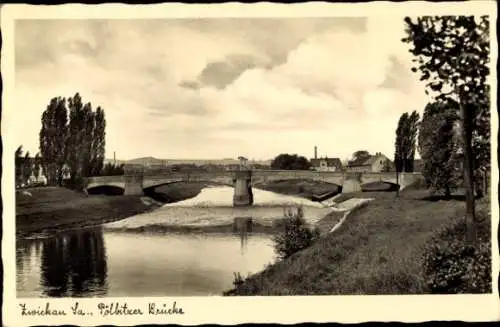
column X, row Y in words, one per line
column 374, row 164
column 326, row 164
column 39, row 179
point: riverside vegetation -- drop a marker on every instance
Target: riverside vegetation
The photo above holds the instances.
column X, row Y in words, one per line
column 411, row 244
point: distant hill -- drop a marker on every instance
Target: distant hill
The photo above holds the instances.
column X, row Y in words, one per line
column 146, row 161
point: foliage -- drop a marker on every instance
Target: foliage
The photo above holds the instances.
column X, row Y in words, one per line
column 53, row 137
column 406, row 135
column 19, row 161
column 296, row 235
column 452, row 55
column 75, row 140
column 238, row 280
column 110, row 169
column 359, row 157
column 287, row 161
column 452, row 266
column 388, row 166
column 26, row 166
column 37, row 165
column 438, row 147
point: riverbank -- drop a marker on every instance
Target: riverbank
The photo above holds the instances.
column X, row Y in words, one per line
column 54, row 209
column 377, row 250
column 51, row 210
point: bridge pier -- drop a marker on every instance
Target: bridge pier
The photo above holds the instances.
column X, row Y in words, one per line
column 243, row 195
column 133, row 185
column 351, row 183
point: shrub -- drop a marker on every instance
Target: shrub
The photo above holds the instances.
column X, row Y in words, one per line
column 238, row 280
column 451, row 266
column 296, row 234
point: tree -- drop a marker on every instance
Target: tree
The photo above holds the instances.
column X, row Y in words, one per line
column 398, row 155
column 437, row 144
column 19, row 164
column 27, row 167
column 359, row 157
column 406, row 135
column 388, row 166
column 452, row 55
column 99, row 143
column 287, row 161
column 88, row 153
column 110, row 169
column 37, row 165
column 53, row 137
column 76, row 143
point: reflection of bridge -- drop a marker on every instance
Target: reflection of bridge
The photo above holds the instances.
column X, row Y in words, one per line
column 135, row 182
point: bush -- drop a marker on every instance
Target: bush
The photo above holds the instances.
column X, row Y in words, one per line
column 78, row 184
column 238, row 280
column 296, row 235
column 451, row 266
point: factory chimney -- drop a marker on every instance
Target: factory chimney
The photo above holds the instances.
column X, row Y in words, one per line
column 315, row 152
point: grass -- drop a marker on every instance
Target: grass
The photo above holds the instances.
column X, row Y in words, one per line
column 378, row 250
column 53, row 209
column 330, row 220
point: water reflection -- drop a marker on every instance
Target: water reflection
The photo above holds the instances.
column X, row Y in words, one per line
column 243, row 226
column 124, row 264
column 75, row 264
column 70, row 265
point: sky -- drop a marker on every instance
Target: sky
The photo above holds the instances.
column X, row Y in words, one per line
column 222, row 88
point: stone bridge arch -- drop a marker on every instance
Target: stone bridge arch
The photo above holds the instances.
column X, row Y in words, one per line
column 137, row 182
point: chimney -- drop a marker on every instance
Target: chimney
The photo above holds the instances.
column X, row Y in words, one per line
column 315, row 152
column 114, row 157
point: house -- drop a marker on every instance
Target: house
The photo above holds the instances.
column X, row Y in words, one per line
column 326, row 164
column 39, row 179
column 374, row 164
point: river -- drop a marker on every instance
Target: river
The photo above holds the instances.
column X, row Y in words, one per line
column 138, row 256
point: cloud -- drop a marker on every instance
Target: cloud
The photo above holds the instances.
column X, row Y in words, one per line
column 222, row 73
column 218, row 87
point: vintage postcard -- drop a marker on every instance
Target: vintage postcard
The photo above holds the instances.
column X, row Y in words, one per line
column 249, row 163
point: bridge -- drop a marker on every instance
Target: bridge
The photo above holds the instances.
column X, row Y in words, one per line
column 134, row 182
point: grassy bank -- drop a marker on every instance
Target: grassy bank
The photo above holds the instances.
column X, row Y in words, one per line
column 378, row 250
column 53, row 209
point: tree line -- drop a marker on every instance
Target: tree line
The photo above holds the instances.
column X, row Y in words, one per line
column 72, row 144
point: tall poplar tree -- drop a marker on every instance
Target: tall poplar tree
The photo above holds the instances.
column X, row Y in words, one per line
column 53, row 137
column 406, row 137
column 75, row 136
column 99, row 142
